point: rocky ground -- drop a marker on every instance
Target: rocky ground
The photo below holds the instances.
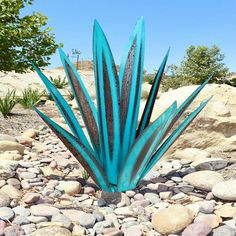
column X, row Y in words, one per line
column 43, row 192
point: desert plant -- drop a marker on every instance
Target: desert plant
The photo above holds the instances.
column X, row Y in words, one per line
column 70, row 95
column 85, row 174
column 144, row 94
column 149, row 79
column 7, row 103
column 120, row 152
column 59, row 82
column 30, row 97
column 233, row 82
column 175, row 82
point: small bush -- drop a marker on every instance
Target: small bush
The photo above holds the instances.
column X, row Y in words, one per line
column 30, row 98
column 59, row 82
column 149, row 79
column 71, row 96
column 233, row 82
column 144, row 94
column 85, row 174
column 7, row 103
column 175, row 82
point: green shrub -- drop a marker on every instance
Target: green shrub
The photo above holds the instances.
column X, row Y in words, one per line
column 59, row 82
column 85, row 174
column 176, row 82
column 30, row 98
column 233, row 82
column 7, row 103
column 144, row 94
column 47, row 95
column 70, row 96
column 149, row 79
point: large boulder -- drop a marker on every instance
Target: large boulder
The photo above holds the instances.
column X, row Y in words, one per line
column 214, row 129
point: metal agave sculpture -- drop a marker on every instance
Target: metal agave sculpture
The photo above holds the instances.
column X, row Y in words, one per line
column 120, row 151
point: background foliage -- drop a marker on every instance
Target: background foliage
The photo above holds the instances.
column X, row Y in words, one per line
column 23, row 39
column 199, row 63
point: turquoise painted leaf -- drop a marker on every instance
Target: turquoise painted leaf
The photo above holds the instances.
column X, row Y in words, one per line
column 142, row 150
column 130, row 76
column 172, row 138
column 108, row 100
column 84, row 101
column 65, row 109
column 147, row 112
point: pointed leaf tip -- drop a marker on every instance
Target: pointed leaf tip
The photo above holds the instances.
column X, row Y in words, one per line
column 96, row 26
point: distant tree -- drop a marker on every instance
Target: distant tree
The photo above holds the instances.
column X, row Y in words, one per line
column 200, row 62
column 171, row 70
column 23, row 39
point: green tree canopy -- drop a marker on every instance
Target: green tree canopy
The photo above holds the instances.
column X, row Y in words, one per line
column 23, row 39
column 200, row 62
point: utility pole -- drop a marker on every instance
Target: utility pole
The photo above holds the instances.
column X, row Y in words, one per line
column 76, row 53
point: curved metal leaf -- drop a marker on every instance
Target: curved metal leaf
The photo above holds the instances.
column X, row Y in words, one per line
column 172, row 138
column 80, row 152
column 130, row 76
column 65, row 109
column 142, row 150
column 85, row 104
column 108, row 99
column 147, row 112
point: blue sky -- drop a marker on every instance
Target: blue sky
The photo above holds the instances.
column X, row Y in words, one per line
column 174, row 23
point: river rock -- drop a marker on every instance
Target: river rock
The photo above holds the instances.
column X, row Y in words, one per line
column 3, row 225
column 22, row 211
column 192, row 154
column 224, row 230
column 207, row 207
column 20, row 220
column 203, row 180
column 133, row 230
column 30, row 133
column 66, row 222
column 13, row 230
column 11, row 146
column 69, row 187
column 44, row 210
column 209, row 164
column 172, row 220
column 197, row 229
column 7, row 168
column 11, row 191
column 84, row 219
column 4, row 199
column 225, row 190
column 6, row 213
column 226, row 211
column 11, row 156
column 31, row 198
column 211, row 219
column 6, row 137
column 52, row 230
column 126, row 211
column 115, row 197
